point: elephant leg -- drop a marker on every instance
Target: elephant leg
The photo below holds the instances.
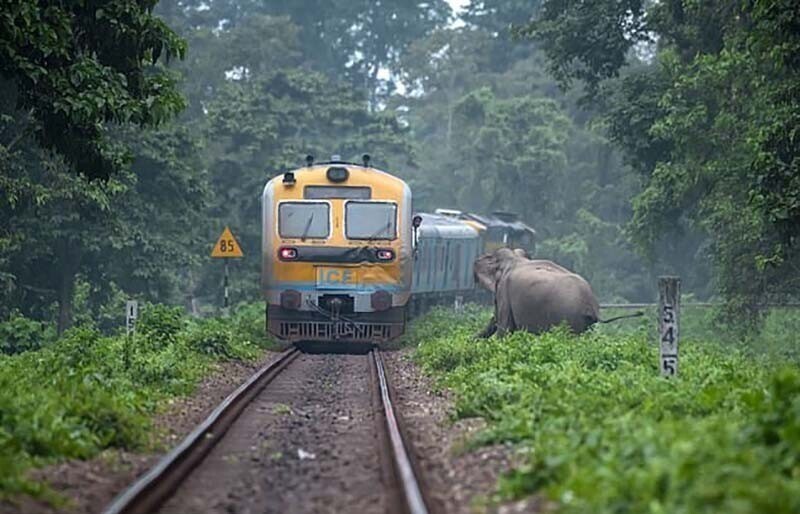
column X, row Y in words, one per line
column 503, row 311
column 490, row 329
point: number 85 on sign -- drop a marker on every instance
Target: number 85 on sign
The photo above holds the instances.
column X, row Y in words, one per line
column 226, row 246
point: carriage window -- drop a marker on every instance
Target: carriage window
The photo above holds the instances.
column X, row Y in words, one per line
column 304, row 219
column 371, row 220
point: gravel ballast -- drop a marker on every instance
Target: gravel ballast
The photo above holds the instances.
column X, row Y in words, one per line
column 307, row 443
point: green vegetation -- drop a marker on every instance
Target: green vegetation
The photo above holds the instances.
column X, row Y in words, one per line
column 638, row 138
column 603, row 432
column 77, row 395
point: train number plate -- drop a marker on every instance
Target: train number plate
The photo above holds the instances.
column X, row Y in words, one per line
column 336, row 278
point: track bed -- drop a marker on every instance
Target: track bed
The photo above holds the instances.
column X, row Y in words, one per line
column 307, row 433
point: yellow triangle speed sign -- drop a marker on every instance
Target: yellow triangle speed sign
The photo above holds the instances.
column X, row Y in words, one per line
column 226, row 246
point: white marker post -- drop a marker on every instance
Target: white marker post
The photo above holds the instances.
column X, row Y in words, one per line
column 131, row 313
column 669, row 295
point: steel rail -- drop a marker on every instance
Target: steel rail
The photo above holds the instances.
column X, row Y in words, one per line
column 147, row 493
column 405, row 471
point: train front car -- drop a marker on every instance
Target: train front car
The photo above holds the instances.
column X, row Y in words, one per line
column 336, row 254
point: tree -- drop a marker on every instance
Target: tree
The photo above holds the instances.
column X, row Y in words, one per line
column 135, row 230
column 588, row 41
column 711, row 124
column 513, row 153
column 358, row 39
column 354, row 40
column 74, row 67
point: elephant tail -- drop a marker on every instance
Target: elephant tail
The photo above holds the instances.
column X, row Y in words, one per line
column 624, row 316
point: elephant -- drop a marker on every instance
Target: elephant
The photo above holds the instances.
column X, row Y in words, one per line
column 535, row 295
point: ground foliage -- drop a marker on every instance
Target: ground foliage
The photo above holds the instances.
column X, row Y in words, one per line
column 601, row 431
column 74, row 396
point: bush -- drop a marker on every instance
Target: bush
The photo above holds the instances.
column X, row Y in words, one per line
column 160, row 324
column 248, row 321
column 212, row 337
column 604, row 433
column 86, row 392
column 20, row 334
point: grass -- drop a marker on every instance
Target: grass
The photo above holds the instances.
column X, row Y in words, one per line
column 602, row 432
column 776, row 337
column 82, row 393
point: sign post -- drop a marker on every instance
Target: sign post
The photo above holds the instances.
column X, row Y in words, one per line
column 226, row 248
column 131, row 314
column 669, row 296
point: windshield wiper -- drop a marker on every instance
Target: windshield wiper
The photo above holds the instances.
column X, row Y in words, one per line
column 308, row 227
column 383, row 228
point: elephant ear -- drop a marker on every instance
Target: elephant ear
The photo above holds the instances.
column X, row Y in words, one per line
column 485, row 271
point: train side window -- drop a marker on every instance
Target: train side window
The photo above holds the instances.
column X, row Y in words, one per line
column 304, row 219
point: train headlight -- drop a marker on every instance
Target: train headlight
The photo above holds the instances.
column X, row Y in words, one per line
column 384, row 254
column 287, row 253
column 290, row 299
column 337, row 174
column 381, row 300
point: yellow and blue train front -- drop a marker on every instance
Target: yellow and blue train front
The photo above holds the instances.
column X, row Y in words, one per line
column 336, row 255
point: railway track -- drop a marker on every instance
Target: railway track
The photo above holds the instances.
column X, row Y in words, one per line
column 403, row 489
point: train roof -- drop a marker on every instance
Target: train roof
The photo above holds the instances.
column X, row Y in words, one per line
column 439, row 226
column 292, row 183
column 496, row 219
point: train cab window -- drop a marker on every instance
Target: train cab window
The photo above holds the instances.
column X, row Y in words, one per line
column 304, row 220
column 370, row 220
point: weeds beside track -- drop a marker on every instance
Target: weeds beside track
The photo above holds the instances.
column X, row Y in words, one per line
column 603, row 432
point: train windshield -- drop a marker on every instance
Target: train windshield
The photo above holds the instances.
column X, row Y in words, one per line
column 371, row 220
column 304, row 219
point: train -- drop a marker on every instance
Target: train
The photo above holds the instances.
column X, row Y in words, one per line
column 345, row 259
